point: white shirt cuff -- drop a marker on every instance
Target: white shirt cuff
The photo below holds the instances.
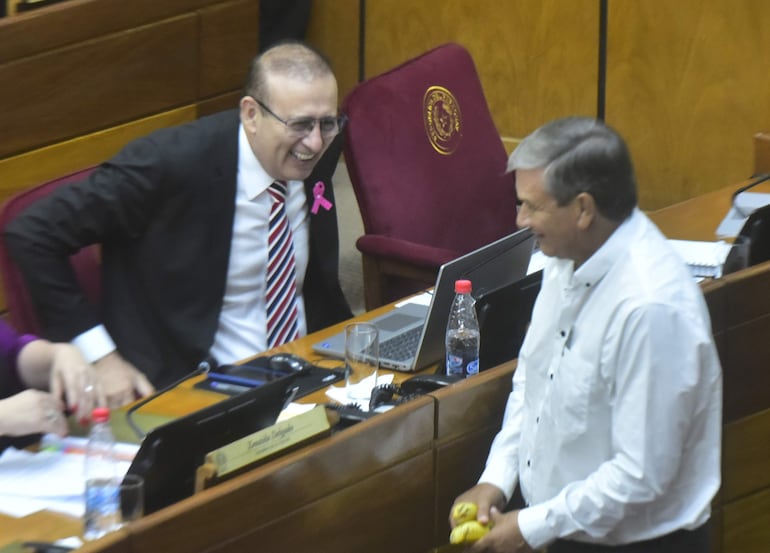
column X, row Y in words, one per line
column 94, row 343
column 534, row 526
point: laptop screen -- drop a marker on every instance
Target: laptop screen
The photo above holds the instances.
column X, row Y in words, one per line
column 504, row 316
column 489, row 268
column 171, row 453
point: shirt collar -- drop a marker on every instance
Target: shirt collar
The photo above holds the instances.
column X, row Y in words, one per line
column 254, row 178
column 599, row 264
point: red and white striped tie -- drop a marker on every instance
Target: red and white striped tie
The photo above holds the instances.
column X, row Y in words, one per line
column 281, row 273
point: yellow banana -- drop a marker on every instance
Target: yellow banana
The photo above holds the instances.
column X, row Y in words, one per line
column 463, row 512
column 467, row 532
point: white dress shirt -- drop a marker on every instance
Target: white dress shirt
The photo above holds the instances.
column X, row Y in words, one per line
column 242, row 330
column 614, row 422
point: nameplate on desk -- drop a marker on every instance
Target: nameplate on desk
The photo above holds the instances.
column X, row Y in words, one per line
column 269, row 441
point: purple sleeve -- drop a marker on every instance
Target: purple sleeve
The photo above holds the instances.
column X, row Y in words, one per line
column 10, row 345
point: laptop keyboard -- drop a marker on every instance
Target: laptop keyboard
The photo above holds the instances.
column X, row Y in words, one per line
column 401, row 347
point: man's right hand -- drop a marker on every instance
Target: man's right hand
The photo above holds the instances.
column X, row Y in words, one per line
column 484, row 496
column 120, row 382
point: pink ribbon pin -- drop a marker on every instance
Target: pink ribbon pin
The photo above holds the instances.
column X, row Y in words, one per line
column 320, row 201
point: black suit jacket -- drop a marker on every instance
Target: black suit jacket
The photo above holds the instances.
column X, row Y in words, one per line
column 163, row 211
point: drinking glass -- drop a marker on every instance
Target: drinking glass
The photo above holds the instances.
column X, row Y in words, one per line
column 362, row 360
column 131, row 498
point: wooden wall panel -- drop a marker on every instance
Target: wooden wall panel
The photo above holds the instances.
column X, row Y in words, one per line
column 747, row 298
column 97, row 84
column 35, row 167
column 762, row 152
column 459, row 464
column 469, row 416
column 333, row 29
column 746, row 378
column 219, row 103
column 687, row 85
column 391, row 511
column 75, row 21
column 360, row 470
column 228, row 42
column 746, row 450
column 745, row 528
column 536, row 58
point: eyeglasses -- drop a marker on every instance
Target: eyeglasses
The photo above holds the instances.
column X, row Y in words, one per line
column 300, row 127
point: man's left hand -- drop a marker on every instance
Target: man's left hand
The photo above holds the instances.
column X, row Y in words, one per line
column 504, row 537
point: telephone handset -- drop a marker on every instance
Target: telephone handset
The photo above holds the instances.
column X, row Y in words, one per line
column 260, row 370
column 390, row 395
column 236, row 379
column 425, row 383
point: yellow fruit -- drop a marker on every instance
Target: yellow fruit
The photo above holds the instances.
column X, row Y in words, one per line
column 468, row 532
column 463, row 512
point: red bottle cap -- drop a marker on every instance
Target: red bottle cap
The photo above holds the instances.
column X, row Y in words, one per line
column 463, row 287
column 100, row 414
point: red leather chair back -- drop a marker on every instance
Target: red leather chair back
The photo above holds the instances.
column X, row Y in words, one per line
column 424, row 157
column 86, row 263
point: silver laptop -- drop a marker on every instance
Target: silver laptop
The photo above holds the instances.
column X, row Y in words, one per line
column 412, row 335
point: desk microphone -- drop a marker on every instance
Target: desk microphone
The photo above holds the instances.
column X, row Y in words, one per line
column 760, row 178
column 204, row 367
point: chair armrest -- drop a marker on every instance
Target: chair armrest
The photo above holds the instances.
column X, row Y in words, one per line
column 420, row 255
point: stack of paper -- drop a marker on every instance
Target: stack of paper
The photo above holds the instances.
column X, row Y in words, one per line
column 705, row 259
column 51, row 479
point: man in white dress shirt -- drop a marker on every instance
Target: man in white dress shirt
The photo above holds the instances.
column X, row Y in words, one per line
column 613, row 426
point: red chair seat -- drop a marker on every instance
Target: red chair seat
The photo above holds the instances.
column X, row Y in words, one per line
column 86, row 262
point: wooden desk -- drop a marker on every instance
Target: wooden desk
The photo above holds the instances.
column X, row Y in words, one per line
column 49, row 526
column 698, row 218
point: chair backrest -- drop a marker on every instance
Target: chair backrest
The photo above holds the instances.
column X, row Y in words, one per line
column 86, row 262
column 425, row 159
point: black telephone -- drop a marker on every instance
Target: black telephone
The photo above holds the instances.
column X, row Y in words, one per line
column 235, row 379
column 259, row 370
column 390, row 395
column 387, row 396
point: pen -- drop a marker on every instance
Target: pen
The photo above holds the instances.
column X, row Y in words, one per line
column 225, row 387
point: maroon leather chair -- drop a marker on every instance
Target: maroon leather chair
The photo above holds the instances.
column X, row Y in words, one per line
column 428, row 169
column 86, row 262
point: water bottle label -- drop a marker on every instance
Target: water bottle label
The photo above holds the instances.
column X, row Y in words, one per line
column 473, row 367
column 102, row 508
column 454, row 364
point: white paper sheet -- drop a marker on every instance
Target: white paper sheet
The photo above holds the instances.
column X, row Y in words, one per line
column 51, row 479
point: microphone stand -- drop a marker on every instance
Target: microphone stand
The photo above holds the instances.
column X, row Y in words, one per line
column 762, row 177
column 203, row 368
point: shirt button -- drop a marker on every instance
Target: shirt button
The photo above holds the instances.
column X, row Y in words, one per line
column 537, row 419
column 563, row 334
column 551, row 376
column 528, row 463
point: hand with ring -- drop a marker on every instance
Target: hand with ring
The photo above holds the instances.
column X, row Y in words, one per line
column 30, row 412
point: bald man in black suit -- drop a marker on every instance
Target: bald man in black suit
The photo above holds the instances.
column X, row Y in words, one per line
column 180, row 215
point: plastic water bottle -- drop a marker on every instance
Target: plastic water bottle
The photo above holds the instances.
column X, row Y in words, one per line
column 101, row 475
column 462, row 333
